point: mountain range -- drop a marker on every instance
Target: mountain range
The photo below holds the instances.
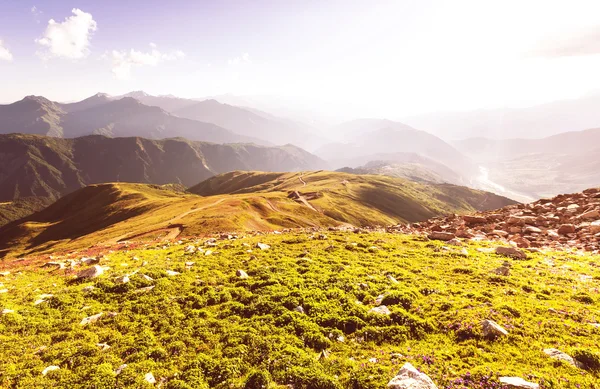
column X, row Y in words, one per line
column 376, row 139
column 48, row 167
column 537, row 121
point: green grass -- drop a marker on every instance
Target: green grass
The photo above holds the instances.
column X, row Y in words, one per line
column 208, row 328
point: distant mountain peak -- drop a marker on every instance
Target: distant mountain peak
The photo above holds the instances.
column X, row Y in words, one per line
column 38, row 99
column 137, row 94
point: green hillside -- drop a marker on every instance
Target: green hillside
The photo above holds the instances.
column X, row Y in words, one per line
column 105, row 214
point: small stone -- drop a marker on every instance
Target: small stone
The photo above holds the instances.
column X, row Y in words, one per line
column 120, row 369
column 392, row 279
column 566, row 229
column 149, row 377
column 299, row 309
column 172, row 273
column 263, row 246
column 103, row 346
column 511, row 252
column 122, row 280
column 380, row 310
column 439, row 235
column 6, row 311
column 49, row 369
column 91, row 319
column 410, row 378
column 91, row 272
column 491, row 329
column 561, row 356
column 242, row 274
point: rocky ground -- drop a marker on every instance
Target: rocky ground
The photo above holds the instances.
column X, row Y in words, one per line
column 567, row 221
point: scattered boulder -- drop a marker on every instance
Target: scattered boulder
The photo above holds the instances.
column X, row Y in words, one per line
column 172, row 273
column 491, row 329
column 518, row 383
column 472, row 219
column 561, row 356
column 91, row 319
column 593, row 214
column 242, row 274
column 299, row 309
column 511, row 252
column 91, row 272
column 122, row 280
column 565, row 229
column 410, row 378
column 443, row 236
column 532, row 230
column 263, row 246
column 595, row 227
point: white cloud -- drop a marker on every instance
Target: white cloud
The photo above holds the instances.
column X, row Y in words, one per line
column 69, row 39
column 123, row 61
column 36, row 13
column 244, row 58
column 5, row 54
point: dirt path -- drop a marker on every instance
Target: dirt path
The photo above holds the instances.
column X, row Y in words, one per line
column 302, row 181
column 172, row 232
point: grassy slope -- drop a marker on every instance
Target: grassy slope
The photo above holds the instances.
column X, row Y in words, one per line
column 107, row 213
column 208, row 327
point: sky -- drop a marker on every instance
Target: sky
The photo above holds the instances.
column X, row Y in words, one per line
column 370, row 57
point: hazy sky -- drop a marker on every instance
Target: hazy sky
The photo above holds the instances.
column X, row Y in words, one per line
column 378, row 57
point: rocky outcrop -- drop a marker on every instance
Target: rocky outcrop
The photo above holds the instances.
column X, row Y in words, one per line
column 567, row 221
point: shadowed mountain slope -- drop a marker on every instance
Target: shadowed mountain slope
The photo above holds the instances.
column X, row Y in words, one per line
column 47, row 167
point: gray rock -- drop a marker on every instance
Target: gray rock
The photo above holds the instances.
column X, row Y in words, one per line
column 242, row 274
column 263, row 246
column 491, row 329
column 561, row 356
column 91, row 319
column 410, row 378
column 380, row 310
column 91, row 272
column 511, row 252
column 439, row 235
